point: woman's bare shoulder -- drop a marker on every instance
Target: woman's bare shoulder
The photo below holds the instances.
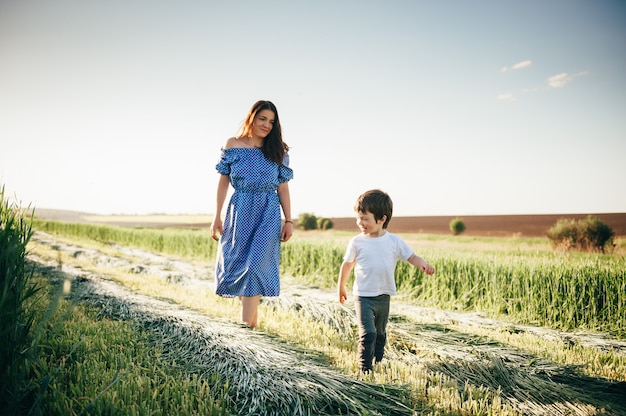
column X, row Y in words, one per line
column 232, row 143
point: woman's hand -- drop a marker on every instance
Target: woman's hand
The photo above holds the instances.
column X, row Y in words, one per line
column 216, row 227
column 286, row 232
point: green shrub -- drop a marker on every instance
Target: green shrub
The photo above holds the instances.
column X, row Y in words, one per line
column 307, row 221
column 589, row 234
column 324, row 223
column 457, row 226
column 16, row 289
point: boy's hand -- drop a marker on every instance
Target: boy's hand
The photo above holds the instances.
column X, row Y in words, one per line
column 346, row 268
column 421, row 264
column 343, row 295
column 427, row 268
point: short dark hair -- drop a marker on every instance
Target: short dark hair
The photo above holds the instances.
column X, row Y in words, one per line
column 377, row 202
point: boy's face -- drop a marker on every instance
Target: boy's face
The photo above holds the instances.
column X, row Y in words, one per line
column 368, row 225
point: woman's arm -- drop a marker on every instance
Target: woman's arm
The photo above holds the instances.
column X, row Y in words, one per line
column 285, row 203
column 222, row 189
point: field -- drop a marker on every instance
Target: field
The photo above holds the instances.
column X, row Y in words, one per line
column 477, row 225
column 488, row 225
column 457, row 344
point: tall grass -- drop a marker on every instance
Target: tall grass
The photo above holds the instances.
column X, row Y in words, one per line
column 16, row 291
column 561, row 290
column 313, row 263
column 577, row 291
column 189, row 243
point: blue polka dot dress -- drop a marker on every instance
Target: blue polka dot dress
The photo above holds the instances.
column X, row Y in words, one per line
column 248, row 254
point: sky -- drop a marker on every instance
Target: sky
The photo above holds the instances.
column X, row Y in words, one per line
column 452, row 107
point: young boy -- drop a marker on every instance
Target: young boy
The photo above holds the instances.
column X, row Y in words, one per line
column 373, row 254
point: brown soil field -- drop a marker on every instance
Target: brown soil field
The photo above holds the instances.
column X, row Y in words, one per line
column 476, row 225
column 487, row 225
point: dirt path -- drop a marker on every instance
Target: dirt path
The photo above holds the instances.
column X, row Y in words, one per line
column 423, row 336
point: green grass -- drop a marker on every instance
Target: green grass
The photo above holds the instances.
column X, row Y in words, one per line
column 189, row 243
column 522, row 279
column 108, row 352
column 448, row 369
column 17, row 292
column 90, row 364
column 566, row 293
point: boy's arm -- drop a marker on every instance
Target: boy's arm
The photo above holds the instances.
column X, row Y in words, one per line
column 421, row 264
column 344, row 272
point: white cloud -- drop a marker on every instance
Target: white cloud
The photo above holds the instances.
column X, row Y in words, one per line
column 522, row 64
column 562, row 79
column 507, row 96
column 559, row 80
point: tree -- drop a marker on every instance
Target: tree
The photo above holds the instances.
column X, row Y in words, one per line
column 457, row 226
column 307, row 221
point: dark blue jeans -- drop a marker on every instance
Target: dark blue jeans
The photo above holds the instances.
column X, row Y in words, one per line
column 372, row 314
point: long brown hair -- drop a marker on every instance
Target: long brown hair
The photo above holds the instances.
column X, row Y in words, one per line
column 273, row 146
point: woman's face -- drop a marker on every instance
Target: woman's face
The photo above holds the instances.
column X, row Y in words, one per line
column 263, row 123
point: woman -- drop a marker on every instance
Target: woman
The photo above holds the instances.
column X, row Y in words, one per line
column 255, row 163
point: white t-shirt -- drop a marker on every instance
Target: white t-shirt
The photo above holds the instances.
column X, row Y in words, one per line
column 376, row 259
